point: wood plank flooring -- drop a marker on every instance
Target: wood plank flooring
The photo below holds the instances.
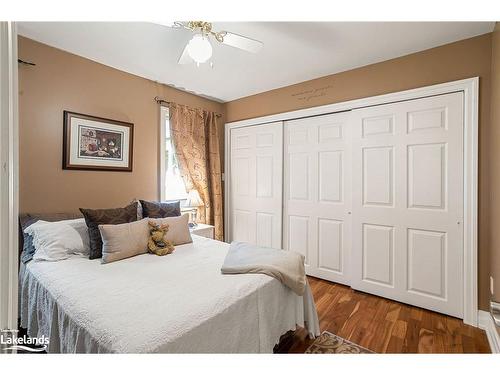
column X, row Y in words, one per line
column 385, row 326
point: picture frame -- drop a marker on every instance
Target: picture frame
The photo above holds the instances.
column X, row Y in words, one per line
column 97, row 143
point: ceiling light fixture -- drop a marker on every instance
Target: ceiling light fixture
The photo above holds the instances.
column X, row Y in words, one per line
column 199, row 48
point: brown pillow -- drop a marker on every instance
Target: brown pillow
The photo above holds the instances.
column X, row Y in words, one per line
column 178, row 229
column 120, row 241
column 160, row 209
column 94, row 218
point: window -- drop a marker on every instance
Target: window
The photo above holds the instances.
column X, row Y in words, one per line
column 171, row 183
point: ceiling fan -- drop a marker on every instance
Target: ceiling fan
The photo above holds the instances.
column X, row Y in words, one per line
column 199, row 48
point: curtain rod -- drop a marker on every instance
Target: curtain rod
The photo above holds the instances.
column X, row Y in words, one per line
column 162, row 101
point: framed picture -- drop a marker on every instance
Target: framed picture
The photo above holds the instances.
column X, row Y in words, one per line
column 95, row 143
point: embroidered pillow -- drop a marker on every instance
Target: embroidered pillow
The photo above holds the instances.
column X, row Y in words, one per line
column 160, row 209
column 94, row 218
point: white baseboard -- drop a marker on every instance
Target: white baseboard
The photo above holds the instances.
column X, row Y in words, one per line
column 485, row 321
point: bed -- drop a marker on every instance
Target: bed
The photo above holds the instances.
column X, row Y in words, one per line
column 179, row 303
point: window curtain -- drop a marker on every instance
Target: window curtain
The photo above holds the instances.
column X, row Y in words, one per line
column 196, row 141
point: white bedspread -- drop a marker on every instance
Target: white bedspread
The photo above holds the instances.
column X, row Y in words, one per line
column 179, row 303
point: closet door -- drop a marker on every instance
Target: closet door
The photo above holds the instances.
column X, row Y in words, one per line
column 256, row 184
column 317, row 194
column 407, row 233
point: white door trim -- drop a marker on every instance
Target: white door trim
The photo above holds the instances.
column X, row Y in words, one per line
column 487, row 323
column 470, row 88
column 9, row 166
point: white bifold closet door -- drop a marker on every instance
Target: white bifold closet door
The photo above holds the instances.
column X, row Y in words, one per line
column 317, row 194
column 256, row 184
column 372, row 197
column 407, row 202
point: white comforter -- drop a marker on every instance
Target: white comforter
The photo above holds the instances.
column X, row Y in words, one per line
column 179, row 303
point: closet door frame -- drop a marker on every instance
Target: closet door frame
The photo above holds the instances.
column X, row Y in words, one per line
column 470, row 89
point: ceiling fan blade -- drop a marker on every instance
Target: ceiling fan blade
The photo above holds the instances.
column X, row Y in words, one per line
column 173, row 24
column 184, row 58
column 242, row 42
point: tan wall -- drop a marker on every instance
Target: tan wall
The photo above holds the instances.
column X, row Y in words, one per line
column 463, row 59
column 62, row 81
column 495, row 163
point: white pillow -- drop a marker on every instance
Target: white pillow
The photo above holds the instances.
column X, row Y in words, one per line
column 60, row 239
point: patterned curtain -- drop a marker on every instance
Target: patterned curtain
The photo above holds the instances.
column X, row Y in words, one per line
column 196, row 142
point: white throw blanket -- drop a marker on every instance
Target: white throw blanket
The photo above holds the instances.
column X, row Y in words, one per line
column 285, row 266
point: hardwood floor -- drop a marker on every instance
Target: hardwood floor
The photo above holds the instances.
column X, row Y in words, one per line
column 385, row 326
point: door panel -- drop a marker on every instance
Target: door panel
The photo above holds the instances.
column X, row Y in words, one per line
column 299, row 175
column 378, row 254
column 265, row 176
column 298, row 236
column 265, row 229
column 330, row 245
column 407, row 201
column 378, row 125
column 241, row 221
column 427, row 176
column 317, row 194
column 256, row 184
column 330, row 176
column 242, row 177
column 427, row 262
column 378, row 176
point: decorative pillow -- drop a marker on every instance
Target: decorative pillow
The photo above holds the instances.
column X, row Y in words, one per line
column 58, row 240
column 122, row 241
column 94, row 218
column 158, row 243
column 26, row 219
column 139, row 208
column 28, row 249
column 178, row 228
column 160, row 209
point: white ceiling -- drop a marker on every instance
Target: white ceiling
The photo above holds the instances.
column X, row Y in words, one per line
column 293, row 51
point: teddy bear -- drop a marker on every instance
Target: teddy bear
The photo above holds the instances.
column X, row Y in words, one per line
column 158, row 243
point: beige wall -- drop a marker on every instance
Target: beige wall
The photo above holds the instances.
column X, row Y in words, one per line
column 495, row 163
column 463, row 59
column 62, row 81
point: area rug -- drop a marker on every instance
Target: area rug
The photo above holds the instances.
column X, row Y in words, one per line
column 328, row 343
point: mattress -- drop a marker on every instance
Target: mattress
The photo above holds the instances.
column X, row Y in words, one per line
column 180, row 303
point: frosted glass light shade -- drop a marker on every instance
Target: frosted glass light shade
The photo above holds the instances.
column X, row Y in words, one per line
column 199, row 48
